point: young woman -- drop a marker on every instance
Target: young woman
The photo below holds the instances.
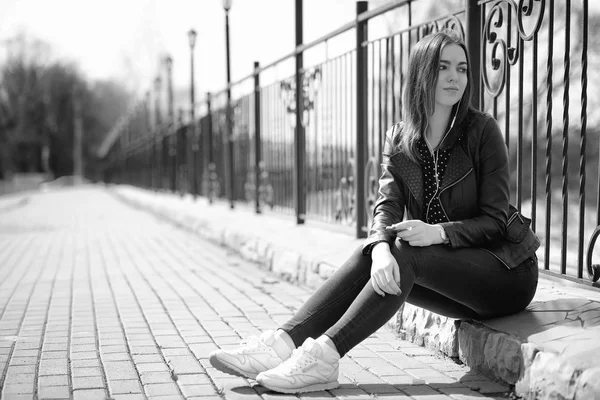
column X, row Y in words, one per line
column 444, row 236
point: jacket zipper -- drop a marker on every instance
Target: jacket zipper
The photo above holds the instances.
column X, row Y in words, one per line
column 449, row 186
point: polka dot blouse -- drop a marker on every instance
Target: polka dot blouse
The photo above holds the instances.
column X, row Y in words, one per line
column 432, row 212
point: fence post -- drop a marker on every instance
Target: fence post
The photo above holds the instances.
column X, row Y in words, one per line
column 209, row 150
column 257, row 143
column 473, row 42
column 362, row 114
column 300, row 145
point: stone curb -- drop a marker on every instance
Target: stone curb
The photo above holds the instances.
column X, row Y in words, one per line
column 536, row 373
column 12, row 204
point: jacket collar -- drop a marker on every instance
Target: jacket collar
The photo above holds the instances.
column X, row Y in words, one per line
column 459, row 164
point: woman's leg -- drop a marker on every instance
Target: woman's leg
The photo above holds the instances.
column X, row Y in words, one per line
column 467, row 282
column 331, row 300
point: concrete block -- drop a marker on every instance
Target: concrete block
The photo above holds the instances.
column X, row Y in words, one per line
column 248, row 250
column 286, row 264
column 546, row 379
column 471, row 342
column 503, row 357
column 303, row 267
column 425, row 328
column 588, row 384
column 264, row 253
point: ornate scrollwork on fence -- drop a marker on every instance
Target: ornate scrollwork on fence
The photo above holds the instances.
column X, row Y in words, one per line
column 497, row 35
column 371, row 187
column 265, row 189
column 311, row 82
column 345, row 208
column 593, row 269
column 449, row 22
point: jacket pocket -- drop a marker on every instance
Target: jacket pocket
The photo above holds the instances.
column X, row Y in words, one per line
column 517, row 226
column 519, row 243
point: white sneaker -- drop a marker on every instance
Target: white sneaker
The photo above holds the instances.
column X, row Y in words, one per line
column 256, row 355
column 307, row 370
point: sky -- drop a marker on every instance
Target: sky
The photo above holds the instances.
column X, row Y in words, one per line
column 125, row 39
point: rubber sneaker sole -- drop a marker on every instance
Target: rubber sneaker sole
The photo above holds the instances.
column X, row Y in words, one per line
column 310, row 388
column 229, row 369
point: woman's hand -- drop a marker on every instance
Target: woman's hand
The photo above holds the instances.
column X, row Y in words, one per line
column 385, row 274
column 417, row 233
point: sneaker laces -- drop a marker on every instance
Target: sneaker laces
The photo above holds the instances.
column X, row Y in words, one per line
column 299, row 359
column 253, row 343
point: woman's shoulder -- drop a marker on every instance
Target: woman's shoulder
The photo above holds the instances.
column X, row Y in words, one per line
column 479, row 118
column 480, row 123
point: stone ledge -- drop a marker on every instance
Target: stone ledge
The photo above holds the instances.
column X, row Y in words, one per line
column 536, row 372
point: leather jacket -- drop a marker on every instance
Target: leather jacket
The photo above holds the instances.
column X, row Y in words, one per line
column 474, row 193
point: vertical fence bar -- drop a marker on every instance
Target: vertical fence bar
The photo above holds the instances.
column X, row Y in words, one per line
column 300, row 139
column 565, row 149
column 549, row 69
column 473, row 42
column 521, row 45
column 257, row 142
column 361, row 117
column 534, row 134
column 582, row 148
column 210, row 157
column 228, row 142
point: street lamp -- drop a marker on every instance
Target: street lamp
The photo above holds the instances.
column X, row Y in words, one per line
column 158, row 133
column 169, row 64
column 228, row 116
column 192, row 131
column 172, row 136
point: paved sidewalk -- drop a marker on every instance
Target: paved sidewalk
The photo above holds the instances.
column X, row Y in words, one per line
column 99, row 300
column 550, row 350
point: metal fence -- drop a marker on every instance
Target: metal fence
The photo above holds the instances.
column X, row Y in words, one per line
column 315, row 153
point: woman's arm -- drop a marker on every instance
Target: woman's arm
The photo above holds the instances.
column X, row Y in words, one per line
column 389, row 207
column 493, row 182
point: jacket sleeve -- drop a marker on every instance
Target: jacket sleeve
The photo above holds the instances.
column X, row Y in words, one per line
column 390, row 204
column 493, row 181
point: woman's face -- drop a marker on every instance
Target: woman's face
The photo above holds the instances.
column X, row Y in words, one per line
column 452, row 76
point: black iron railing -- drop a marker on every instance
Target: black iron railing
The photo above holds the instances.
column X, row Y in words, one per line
column 310, row 144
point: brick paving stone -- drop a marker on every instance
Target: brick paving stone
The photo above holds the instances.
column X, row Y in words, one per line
column 54, row 354
column 85, row 371
column 161, row 389
column 17, row 388
column 54, row 380
column 198, row 390
column 88, row 382
column 89, row 394
column 54, row 392
column 86, row 355
column 125, row 386
column 152, row 367
column 156, row 377
column 128, row 397
column 18, row 378
column 89, row 363
column 116, row 357
column 146, row 358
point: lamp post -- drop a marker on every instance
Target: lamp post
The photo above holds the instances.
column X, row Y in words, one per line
column 158, row 133
column 192, row 131
column 228, row 116
column 171, row 123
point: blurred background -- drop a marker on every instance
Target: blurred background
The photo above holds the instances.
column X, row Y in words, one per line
column 67, row 65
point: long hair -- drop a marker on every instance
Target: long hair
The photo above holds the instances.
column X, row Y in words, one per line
column 418, row 103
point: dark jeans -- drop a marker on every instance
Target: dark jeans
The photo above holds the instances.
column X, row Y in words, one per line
column 462, row 283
